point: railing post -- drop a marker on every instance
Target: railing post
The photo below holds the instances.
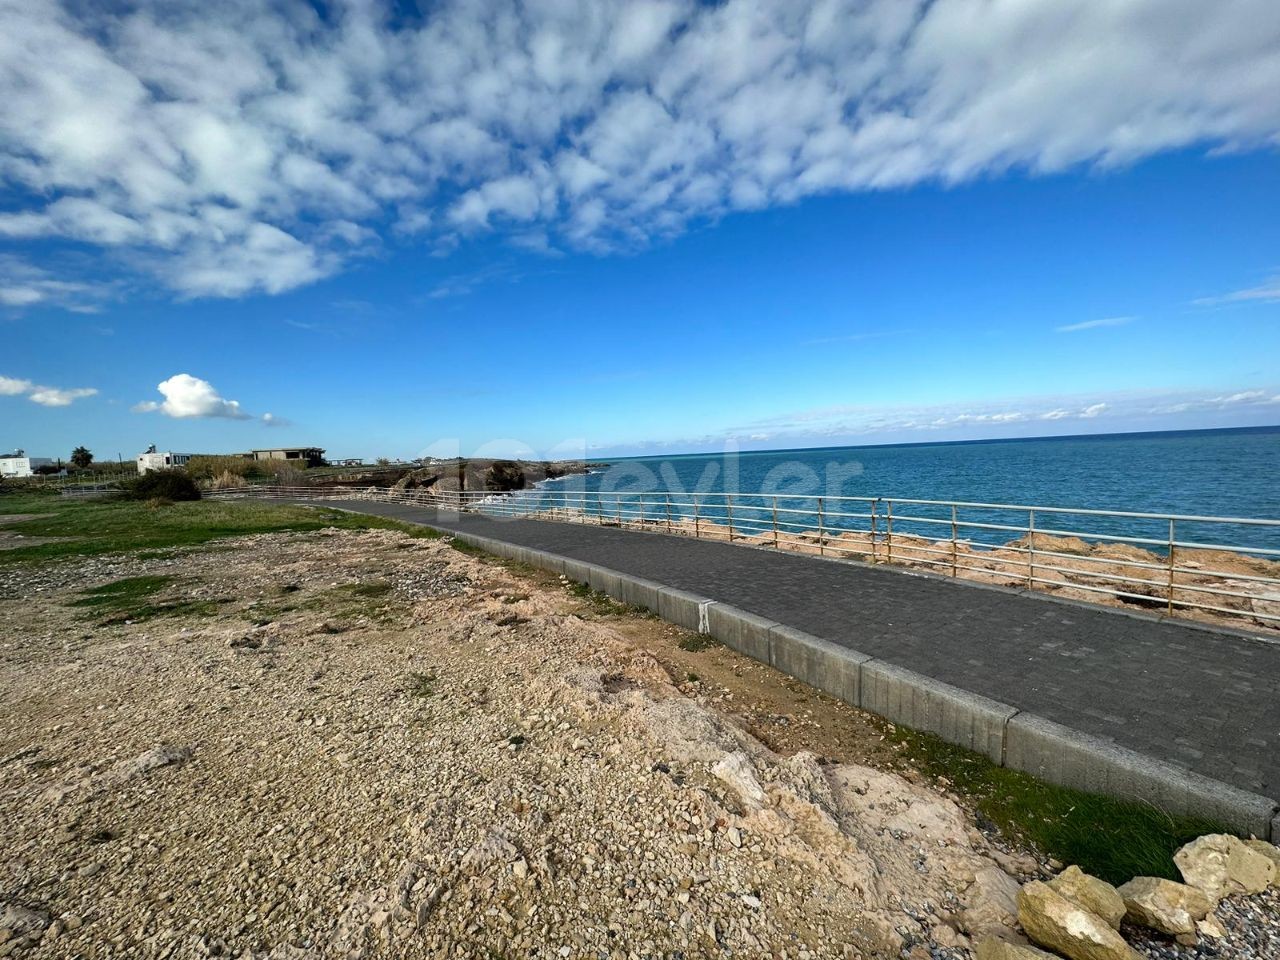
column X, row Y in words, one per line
column 617, row 506
column 668, row 513
column 822, row 546
column 874, row 501
column 953, row 540
column 1031, row 549
column 728, row 507
column 888, row 530
column 775, row 522
column 1171, row 539
column 697, row 532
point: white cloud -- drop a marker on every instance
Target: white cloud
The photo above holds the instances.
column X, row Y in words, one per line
column 1094, row 324
column 1268, row 292
column 188, row 396
column 238, row 147
column 25, row 285
column 1093, row 410
column 45, row 396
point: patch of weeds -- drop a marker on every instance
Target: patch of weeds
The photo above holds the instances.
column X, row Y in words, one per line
column 463, row 547
column 1109, row 838
column 330, row 629
column 131, row 600
column 697, row 642
column 692, row 678
column 285, row 589
column 422, row 684
column 601, row 603
column 371, row 590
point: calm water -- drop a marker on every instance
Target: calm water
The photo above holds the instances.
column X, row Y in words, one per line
column 1232, row 473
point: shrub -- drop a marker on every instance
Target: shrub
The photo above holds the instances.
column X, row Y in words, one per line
column 227, row 480
column 207, row 467
column 161, row 484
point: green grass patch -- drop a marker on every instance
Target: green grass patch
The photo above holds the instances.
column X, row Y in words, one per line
column 1116, row 840
column 421, row 685
column 95, row 527
column 697, row 642
column 604, row 605
column 134, row 599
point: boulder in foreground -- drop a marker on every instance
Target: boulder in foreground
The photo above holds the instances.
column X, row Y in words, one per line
column 1221, row 865
column 1062, row 925
column 995, row 949
column 1164, row 905
column 1096, row 896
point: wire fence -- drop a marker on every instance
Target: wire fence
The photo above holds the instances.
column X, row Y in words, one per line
column 1206, row 567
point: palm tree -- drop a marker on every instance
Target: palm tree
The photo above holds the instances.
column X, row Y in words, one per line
column 82, row 457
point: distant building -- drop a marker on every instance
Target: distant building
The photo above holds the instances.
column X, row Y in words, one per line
column 154, row 459
column 347, row 462
column 18, row 464
column 311, row 456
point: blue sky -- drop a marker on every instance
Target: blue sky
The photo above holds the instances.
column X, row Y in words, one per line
column 678, row 229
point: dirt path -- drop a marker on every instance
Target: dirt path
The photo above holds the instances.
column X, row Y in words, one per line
column 359, row 744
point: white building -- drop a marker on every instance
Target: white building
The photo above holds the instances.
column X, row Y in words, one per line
column 18, row 464
column 161, row 460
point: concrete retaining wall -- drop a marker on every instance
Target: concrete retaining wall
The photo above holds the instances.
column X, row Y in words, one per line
column 833, row 669
column 1021, row 741
column 1073, row 759
column 923, row 703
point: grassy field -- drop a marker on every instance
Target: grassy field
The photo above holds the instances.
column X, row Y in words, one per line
column 1109, row 838
column 92, row 527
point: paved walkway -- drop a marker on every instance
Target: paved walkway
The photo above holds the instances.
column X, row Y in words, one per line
column 1204, row 700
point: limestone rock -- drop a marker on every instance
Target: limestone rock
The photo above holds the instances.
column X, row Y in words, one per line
column 1096, row 896
column 735, row 769
column 995, row 949
column 992, row 903
column 1222, row 866
column 1271, row 852
column 1061, row 925
column 1164, row 905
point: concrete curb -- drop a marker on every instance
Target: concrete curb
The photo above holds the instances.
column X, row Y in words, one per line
column 739, row 630
column 922, row 703
column 825, row 666
column 1070, row 758
column 1021, row 741
column 682, row 608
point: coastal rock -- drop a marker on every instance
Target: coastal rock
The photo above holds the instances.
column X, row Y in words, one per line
column 165, row 755
column 1164, row 905
column 992, row 903
column 1096, row 896
column 1061, row 925
column 1271, row 852
column 993, row 948
column 1222, row 865
column 18, row 924
column 736, row 771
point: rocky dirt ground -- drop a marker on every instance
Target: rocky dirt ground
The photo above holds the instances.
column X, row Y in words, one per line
column 359, row 744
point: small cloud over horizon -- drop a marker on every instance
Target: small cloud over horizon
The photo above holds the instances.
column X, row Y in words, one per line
column 45, row 396
column 187, row 397
column 1095, row 324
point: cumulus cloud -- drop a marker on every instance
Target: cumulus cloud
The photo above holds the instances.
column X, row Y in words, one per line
column 45, row 396
column 241, row 147
column 187, row 396
column 1095, row 324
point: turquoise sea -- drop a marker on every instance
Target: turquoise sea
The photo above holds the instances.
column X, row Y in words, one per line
column 1222, row 473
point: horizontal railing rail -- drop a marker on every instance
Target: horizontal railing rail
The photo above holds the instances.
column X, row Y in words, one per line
column 1159, row 561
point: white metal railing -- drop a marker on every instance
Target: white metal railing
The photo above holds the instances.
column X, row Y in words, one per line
column 1156, row 560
